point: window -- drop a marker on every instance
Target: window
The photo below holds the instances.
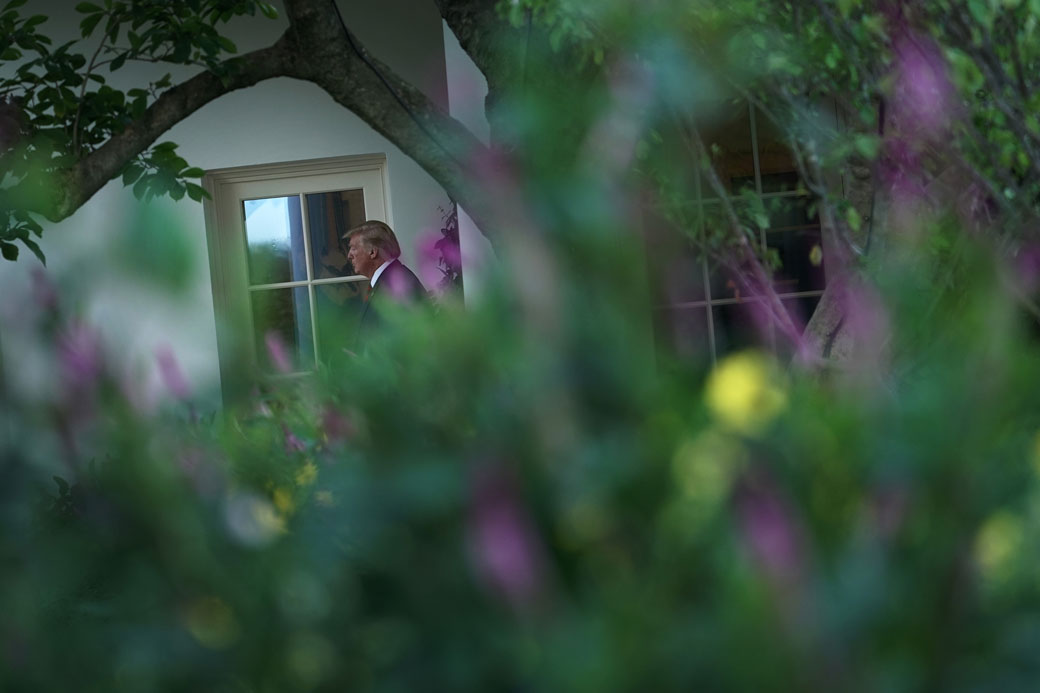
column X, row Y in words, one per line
column 278, row 262
column 700, row 310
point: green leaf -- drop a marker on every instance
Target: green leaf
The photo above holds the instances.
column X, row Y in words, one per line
column 32, row 245
column 227, row 44
column 117, row 62
column 193, row 172
column 63, row 486
column 141, row 187
column 196, row 192
column 867, row 145
column 88, row 8
column 131, row 173
column 853, row 218
column 181, row 51
column 269, row 11
column 165, row 147
column 9, row 251
column 14, row 4
column 980, row 12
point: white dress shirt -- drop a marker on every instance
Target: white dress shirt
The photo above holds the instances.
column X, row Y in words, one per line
column 375, row 275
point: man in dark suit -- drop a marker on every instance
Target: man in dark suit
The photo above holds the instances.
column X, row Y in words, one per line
column 374, row 252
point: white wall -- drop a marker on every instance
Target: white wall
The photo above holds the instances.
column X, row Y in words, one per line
column 467, row 90
column 276, row 121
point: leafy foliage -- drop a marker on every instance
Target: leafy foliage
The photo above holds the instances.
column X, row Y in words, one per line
column 58, row 106
column 477, row 502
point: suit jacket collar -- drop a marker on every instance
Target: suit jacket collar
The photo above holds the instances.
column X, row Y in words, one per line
column 379, row 272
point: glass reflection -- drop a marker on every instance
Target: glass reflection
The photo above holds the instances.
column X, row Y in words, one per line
column 329, row 216
column 274, row 237
column 686, row 330
column 800, row 252
column 285, row 313
column 775, row 161
column 736, row 326
column 338, row 309
column 726, row 132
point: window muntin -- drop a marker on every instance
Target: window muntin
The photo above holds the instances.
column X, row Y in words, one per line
column 278, row 262
column 297, row 241
column 705, row 309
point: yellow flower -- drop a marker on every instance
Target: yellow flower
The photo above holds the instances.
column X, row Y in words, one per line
column 283, row 501
column 704, row 466
column 211, row 622
column 816, row 256
column 745, row 392
column 324, row 498
column 307, row 474
column 997, row 544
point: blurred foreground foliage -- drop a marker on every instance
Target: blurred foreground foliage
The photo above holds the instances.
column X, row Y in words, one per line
column 508, row 499
column 527, row 495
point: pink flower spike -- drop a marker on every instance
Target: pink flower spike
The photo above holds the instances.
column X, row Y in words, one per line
column 429, row 257
column 503, row 540
column 769, row 532
column 336, row 425
column 171, row 373
column 292, row 443
column 43, row 291
column 277, row 352
column 80, row 354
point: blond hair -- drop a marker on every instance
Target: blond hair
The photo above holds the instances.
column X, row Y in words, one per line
column 378, row 235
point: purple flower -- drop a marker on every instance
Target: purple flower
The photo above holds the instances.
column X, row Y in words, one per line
column 79, row 352
column 430, row 257
column 44, row 293
column 399, row 286
column 769, row 531
column 277, row 352
column 503, row 540
column 923, row 95
column 336, row 426
column 292, row 443
column 171, row 373
column 1027, row 264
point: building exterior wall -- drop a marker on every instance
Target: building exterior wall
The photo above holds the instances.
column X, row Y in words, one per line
column 276, row 121
column 467, row 90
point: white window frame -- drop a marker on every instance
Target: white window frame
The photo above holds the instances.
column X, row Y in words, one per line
column 226, row 238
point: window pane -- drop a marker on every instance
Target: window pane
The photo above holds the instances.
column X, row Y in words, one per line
column 801, row 309
column 682, row 275
column 727, row 283
column 338, row 309
column 736, row 327
column 801, row 259
column 286, row 314
column 329, row 216
column 785, row 212
column 685, row 330
column 274, row 236
column 725, row 128
column 775, row 161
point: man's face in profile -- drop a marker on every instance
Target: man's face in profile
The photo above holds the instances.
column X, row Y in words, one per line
column 364, row 259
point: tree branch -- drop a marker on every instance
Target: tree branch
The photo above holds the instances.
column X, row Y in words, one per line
column 756, row 279
column 336, row 61
column 59, row 197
